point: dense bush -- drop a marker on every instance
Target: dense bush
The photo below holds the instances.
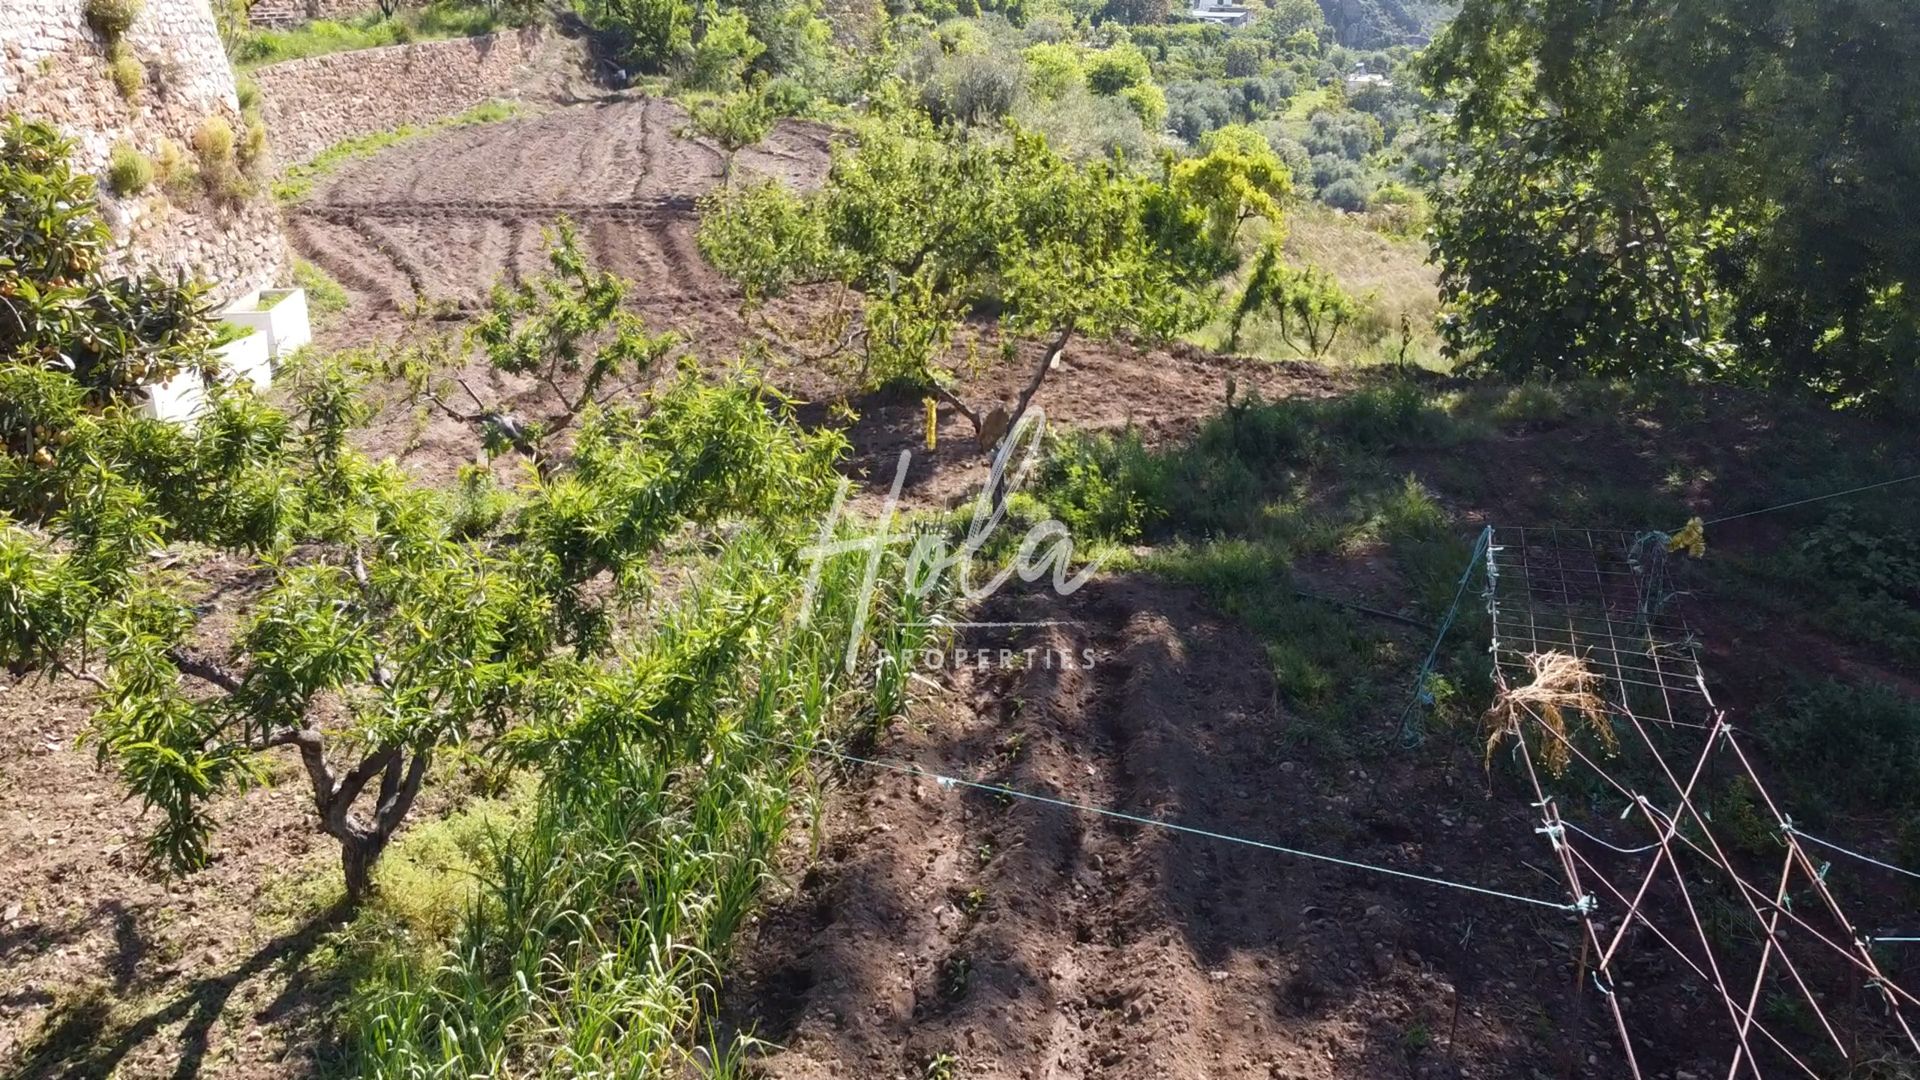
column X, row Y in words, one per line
column 110, row 335
column 128, row 170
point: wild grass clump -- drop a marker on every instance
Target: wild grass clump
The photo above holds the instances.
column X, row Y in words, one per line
column 1562, row 696
column 126, row 71
column 175, row 170
column 326, row 297
column 128, row 170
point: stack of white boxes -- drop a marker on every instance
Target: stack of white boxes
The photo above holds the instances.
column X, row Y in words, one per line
column 276, row 321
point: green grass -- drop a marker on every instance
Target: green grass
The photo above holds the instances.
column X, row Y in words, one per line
column 257, row 48
column 1389, row 277
column 325, row 296
column 617, row 887
column 297, row 182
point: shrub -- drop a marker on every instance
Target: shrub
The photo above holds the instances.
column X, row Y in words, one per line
column 1854, row 746
column 1347, row 193
column 1116, row 69
column 1053, row 69
column 112, row 18
column 721, row 58
column 125, row 70
column 1148, row 102
column 213, row 141
column 972, row 88
column 175, row 170
column 1244, row 58
column 1084, row 127
column 129, row 171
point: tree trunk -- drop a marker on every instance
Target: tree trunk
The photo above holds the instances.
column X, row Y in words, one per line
column 357, row 856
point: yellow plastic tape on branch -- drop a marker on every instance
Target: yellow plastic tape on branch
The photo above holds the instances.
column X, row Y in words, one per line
column 933, row 422
column 1692, row 539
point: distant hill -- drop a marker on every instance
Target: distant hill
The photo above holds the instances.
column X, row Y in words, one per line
column 1376, row 24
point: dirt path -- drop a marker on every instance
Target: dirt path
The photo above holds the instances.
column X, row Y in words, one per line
column 1024, row 940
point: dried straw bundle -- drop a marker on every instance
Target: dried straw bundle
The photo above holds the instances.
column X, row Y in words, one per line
column 1562, row 686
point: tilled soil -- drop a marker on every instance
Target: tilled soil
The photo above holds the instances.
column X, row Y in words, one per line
column 951, row 928
column 443, row 217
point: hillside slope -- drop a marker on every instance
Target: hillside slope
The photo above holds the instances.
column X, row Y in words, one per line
column 1377, row 24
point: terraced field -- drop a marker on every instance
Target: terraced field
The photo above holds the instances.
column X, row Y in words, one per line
column 443, row 217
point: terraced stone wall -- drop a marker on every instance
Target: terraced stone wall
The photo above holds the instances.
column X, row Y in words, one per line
column 54, row 67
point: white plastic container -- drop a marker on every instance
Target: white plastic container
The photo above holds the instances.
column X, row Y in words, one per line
column 180, row 399
column 249, row 358
column 280, row 314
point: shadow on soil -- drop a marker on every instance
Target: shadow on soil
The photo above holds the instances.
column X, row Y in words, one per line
column 1033, row 939
column 90, row 1037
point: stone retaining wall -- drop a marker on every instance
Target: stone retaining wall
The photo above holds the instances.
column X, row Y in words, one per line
column 53, row 67
column 280, row 14
column 314, row 103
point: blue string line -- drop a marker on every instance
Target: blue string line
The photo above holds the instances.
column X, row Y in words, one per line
column 1407, row 737
column 995, row 789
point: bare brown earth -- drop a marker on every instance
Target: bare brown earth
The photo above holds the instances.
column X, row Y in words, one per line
column 1021, row 939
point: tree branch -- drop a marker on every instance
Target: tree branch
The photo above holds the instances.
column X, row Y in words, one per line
column 204, row 671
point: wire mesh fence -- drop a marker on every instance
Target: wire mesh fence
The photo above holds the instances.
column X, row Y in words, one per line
column 1690, row 878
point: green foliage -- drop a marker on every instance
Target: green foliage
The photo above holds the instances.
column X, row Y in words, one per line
column 566, row 328
column 927, row 227
column 658, row 33
column 735, row 121
column 1238, row 177
column 725, row 49
column 667, row 793
column 1111, row 71
column 1308, row 307
column 111, row 19
column 478, row 503
column 250, row 48
column 1053, row 68
column 110, row 335
column 714, row 47
column 128, row 170
column 1601, row 222
column 1859, row 572
column 1856, row 747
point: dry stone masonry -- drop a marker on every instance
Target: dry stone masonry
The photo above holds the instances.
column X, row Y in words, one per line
column 53, row 67
column 280, row 14
column 314, row 103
